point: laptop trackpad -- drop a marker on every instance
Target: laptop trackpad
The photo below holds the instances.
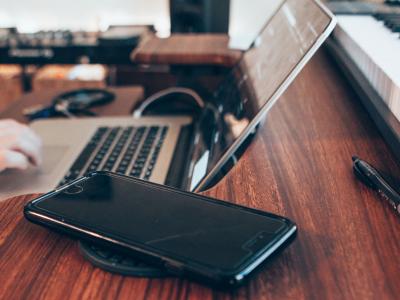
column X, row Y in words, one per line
column 52, row 156
column 34, row 180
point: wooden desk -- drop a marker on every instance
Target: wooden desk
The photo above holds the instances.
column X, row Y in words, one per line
column 298, row 166
column 187, row 49
column 126, row 98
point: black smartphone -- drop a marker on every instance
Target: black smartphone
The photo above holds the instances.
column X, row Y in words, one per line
column 185, row 233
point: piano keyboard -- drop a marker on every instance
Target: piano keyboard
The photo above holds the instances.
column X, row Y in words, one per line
column 373, row 43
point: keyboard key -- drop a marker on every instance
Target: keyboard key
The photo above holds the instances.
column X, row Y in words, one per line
column 144, row 143
column 154, row 156
column 80, row 162
column 130, row 152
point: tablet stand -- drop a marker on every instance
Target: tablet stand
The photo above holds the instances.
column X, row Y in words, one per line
column 110, row 261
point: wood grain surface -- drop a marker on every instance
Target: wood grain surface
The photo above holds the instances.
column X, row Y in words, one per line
column 299, row 166
column 127, row 98
column 11, row 86
column 187, row 49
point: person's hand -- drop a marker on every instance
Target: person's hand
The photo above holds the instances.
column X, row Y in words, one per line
column 19, row 146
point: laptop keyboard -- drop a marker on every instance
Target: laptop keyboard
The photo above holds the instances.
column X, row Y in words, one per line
column 131, row 151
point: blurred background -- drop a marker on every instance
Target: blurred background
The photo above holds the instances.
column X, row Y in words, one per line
column 92, row 15
column 47, row 44
column 70, row 44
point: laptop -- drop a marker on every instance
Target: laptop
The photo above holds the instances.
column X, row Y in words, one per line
column 178, row 150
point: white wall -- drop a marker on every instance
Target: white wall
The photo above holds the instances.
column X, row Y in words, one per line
column 33, row 15
column 247, row 19
column 247, row 16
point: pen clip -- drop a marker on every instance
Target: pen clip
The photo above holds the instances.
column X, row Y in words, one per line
column 391, row 181
column 363, row 178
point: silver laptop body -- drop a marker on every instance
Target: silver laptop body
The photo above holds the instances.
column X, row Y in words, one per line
column 64, row 140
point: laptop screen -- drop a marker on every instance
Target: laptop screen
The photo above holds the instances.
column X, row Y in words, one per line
column 287, row 41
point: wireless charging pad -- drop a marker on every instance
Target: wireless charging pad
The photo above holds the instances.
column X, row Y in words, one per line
column 121, row 264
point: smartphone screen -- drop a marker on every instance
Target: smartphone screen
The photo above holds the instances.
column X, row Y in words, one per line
column 182, row 225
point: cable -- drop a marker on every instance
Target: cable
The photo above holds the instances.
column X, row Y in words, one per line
column 174, row 90
column 62, row 107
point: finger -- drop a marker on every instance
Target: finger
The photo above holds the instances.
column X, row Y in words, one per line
column 8, row 123
column 10, row 137
column 13, row 159
column 32, row 151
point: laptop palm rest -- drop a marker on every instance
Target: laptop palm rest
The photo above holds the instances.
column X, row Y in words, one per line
column 34, row 179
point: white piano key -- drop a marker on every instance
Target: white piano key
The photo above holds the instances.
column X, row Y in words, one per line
column 376, row 51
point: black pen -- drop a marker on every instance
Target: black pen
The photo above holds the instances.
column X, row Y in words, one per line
column 371, row 177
